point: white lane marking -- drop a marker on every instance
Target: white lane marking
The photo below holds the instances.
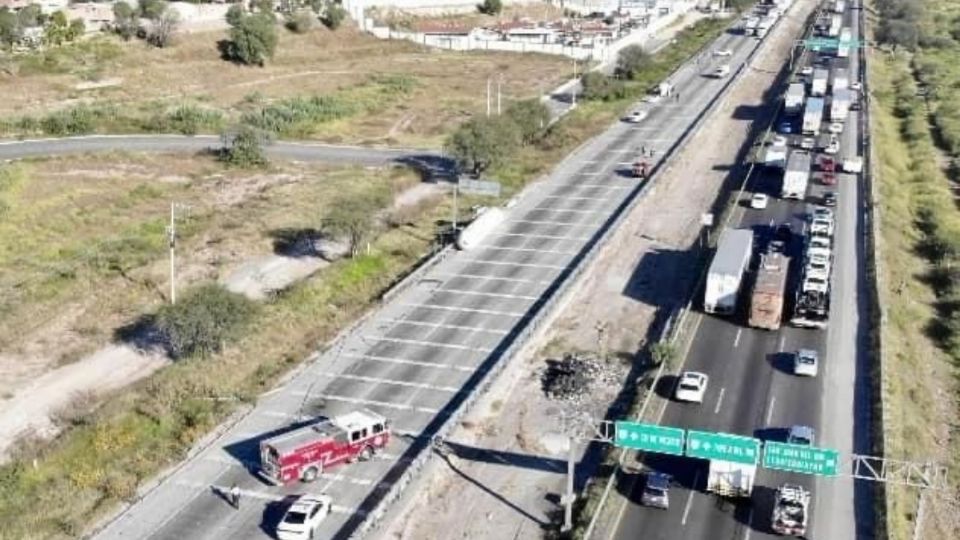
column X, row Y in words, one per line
column 256, row 494
column 719, row 401
column 773, row 403
column 255, row 465
column 749, row 527
column 451, row 275
column 529, row 250
column 571, row 210
column 508, row 263
column 782, row 340
column 495, row 295
column 468, row 310
column 548, row 236
column 359, row 401
column 388, row 359
column 591, row 173
column 736, row 340
column 589, row 161
column 607, row 186
column 425, row 343
column 686, row 510
column 451, row 326
column 622, row 150
column 563, row 223
column 566, row 198
column 378, row 380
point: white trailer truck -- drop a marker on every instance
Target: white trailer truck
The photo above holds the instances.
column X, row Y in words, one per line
column 812, row 116
column 726, row 271
column 839, row 74
column 836, row 23
column 840, row 105
column 843, row 48
column 480, row 228
column 729, row 479
column 818, row 82
column 793, row 100
column 796, row 176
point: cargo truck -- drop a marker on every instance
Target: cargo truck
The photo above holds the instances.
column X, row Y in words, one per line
column 840, row 105
column 839, row 6
column 818, row 82
column 796, row 176
column 839, row 74
column 836, row 24
column 729, row 479
column 843, row 48
column 791, row 510
column 812, row 116
column 726, row 271
column 776, row 155
column 766, row 302
column 750, row 26
column 793, row 101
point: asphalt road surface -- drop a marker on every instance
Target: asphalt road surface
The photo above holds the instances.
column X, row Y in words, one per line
column 417, row 357
column 753, row 392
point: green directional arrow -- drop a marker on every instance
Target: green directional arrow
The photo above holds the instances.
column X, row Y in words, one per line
column 649, row 437
column 723, row 446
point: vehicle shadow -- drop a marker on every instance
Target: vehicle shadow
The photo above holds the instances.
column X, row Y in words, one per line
column 666, row 385
column 781, row 361
column 776, row 434
column 273, row 513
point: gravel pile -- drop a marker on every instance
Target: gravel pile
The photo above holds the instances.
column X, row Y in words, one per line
column 574, row 377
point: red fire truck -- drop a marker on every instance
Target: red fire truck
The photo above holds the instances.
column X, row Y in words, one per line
column 303, row 453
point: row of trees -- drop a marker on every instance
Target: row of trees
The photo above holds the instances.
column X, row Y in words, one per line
column 56, row 29
column 163, row 21
column 900, row 22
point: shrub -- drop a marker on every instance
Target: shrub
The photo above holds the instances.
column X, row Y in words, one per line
column 253, row 39
column 296, row 115
column 203, row 321
column 490, row 7
column 482, row 143
column 245, row 148
column 632, row 61
column 531, row 116
column 334, row 16
column 300, row 22
column 600, row 87
column 75, row 121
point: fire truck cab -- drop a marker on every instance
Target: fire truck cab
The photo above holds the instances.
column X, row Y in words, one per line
column 304, row 453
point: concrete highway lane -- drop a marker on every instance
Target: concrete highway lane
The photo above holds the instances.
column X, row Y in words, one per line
column 418, row 357
column 752, row 391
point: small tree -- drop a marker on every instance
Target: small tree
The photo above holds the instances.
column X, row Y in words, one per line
column 632, row 61
column 204, row 320
column 125, row 20
column 301, row 21
column 76, row 29
column 531, row 116
column 9, row 27
column 482, row 143
column 334, row 16
column 597, row 86
column 264, row 7
column 151, row 9
column 164, row 27
column 253, row 39
column 245, row 148
column 490, row 7
column 234, row 14
column 351, row 217
column 31, row 15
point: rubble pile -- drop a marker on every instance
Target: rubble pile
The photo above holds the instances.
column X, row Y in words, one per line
column 573, row 377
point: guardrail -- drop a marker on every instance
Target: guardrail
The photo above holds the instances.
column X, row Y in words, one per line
column 546, row 309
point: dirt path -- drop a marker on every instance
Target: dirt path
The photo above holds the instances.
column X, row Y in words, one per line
column 627, row 283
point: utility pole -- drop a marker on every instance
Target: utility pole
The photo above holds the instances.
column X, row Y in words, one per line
column 456, row 190
column 573, row 90
column 499, row 83
column 172, row 239
column 488, row 96
column 569, row 497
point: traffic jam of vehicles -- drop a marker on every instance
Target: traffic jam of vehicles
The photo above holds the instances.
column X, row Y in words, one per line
column 770, row 275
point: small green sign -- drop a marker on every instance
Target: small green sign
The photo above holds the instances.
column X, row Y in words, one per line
column 801, row 459
column 827, row 43
column 723, row 446
column 649, row 437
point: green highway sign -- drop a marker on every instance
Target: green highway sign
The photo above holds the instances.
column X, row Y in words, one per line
column 801, row 459
column 723, row 446
column 826, row 43
column 649, row 437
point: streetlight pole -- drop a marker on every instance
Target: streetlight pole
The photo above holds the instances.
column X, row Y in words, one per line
column 573, row 90
column 499, row 83
column 172, row 239
column 488, row 96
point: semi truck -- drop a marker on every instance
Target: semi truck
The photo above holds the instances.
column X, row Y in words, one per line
column 796, row 176
column 839, row 74
column 729, row 479
column 791, row 510
column 776, row 155
column 793, row 100
column 304, row 453
column 812, row 116
column 818, row 82
column 766, row 302
column 840, row 105
column 726, row 271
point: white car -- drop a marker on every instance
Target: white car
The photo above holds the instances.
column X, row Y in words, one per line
column 778, row 140
column 814, row 283
column 821, row 226
column 818, row 241
column 819, row 269
column 805, row 362
column 821, row 212
column 722, row 71
column 808, row 143
column 303, row 517
column 692, row 386
column 758, row 201
column 819, row 255
column 834, row 146
column 635, row 117
column 856, row 85
column 807, row 70
column 653, row 98
column 723, row 52
column 836, row 128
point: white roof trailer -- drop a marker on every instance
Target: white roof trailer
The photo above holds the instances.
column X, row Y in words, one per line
column 843, row 48
column 725, row 276
column 812, row 116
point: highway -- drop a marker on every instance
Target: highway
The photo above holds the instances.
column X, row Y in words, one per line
column 418, row 357
column 753, row 392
